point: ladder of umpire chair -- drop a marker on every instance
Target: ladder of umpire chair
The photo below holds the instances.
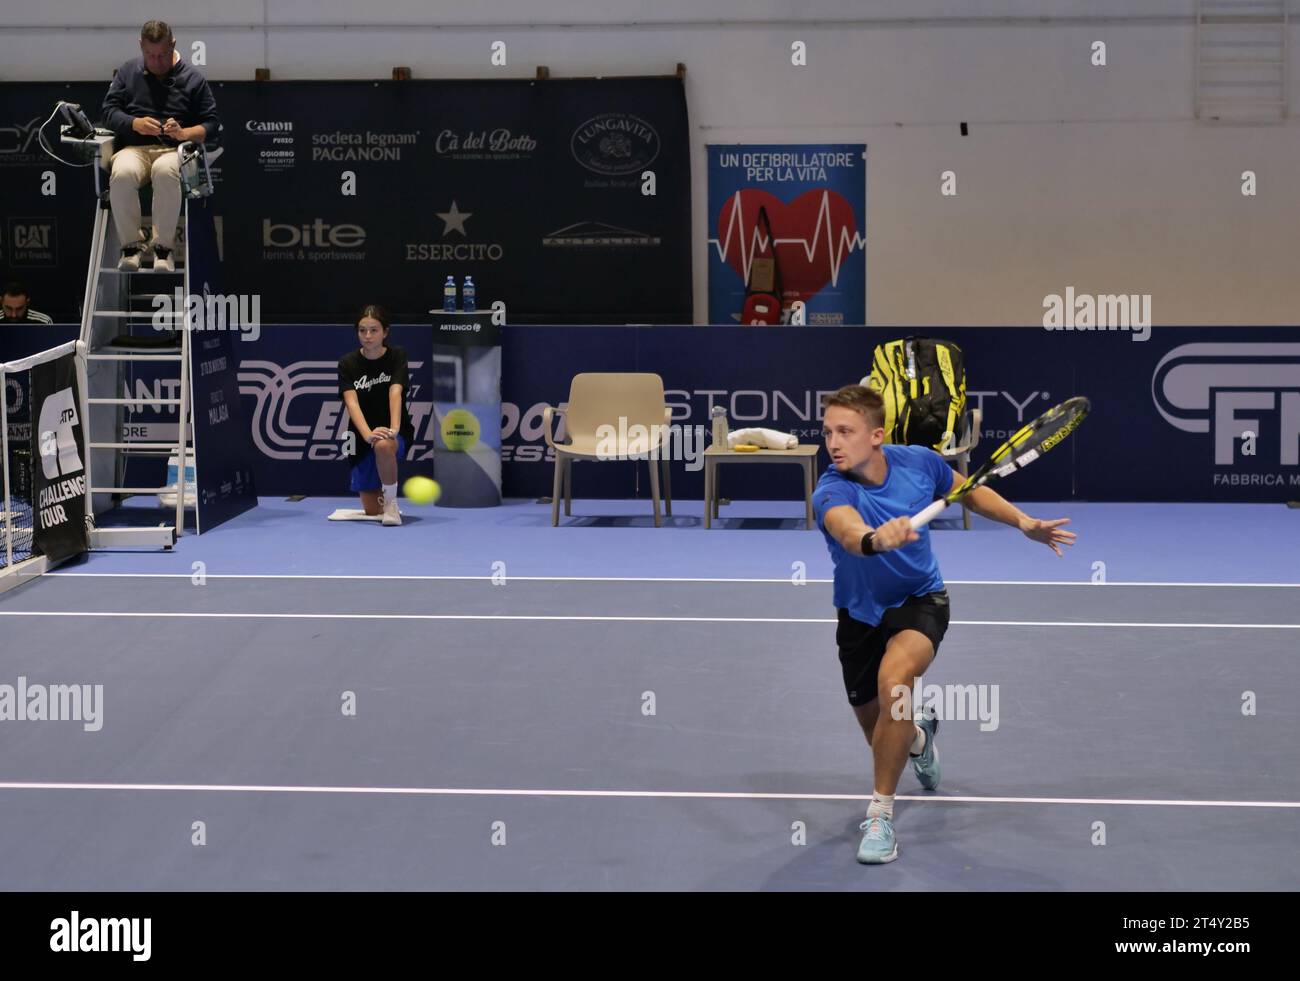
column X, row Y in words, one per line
column 109, row 312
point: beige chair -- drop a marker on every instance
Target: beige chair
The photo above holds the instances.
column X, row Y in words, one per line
column 619, row 401
column 957, row 450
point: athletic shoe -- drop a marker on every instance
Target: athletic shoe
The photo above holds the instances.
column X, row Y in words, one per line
column 926, row 765
column 130, row 261
column 162, row 259
column 878, row 844
column 391, row 515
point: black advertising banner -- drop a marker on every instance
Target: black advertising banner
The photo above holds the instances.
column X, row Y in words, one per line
column 568, row 200
column 467, row 409
column 59, row 478
column 223, row 446
column 46, row 209
column 335, row 194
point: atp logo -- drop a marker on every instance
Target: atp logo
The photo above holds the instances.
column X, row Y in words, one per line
column 1230, row 391
column 58, row 443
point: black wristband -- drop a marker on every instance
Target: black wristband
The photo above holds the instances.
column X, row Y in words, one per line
column 868, row 546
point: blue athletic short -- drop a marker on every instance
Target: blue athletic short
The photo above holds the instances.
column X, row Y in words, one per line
column 365, row 475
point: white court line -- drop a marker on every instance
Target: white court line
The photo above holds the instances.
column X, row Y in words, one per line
column 668, row 794
column 608, row 619
column 785, row 581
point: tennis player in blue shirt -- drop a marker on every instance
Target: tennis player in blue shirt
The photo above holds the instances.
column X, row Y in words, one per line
column 893, row 607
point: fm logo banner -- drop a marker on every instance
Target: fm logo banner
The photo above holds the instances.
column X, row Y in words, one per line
column 1246, row 397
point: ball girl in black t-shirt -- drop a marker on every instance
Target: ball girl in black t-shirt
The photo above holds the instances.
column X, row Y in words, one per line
column 372, row 384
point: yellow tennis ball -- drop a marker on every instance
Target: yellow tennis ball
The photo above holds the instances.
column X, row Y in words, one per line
column 421, row 490
column 459, row 429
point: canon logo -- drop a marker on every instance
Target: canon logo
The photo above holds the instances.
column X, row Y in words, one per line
column 316, row 235
column 260, row 126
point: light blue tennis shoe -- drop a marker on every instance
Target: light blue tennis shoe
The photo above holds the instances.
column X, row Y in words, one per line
column 926, row 766
column 878, row 843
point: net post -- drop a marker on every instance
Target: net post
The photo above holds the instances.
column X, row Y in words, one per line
column 4, row 463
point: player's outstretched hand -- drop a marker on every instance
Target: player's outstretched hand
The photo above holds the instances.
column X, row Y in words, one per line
column 1050, row 533
column 893, row 534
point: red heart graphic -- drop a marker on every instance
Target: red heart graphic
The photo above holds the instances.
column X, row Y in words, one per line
column 816, row 235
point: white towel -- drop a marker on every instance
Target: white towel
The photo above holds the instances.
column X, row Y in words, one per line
column 353, row 514
column 768, row 439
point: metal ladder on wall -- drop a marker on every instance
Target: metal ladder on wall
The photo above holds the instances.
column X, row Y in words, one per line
column 1242, row 62
column 118, row 328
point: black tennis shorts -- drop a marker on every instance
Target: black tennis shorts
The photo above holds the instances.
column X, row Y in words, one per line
column 862, row 646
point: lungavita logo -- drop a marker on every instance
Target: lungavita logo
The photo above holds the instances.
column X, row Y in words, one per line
column 615, row 143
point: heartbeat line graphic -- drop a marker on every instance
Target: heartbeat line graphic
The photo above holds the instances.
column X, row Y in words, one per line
column 849, row 239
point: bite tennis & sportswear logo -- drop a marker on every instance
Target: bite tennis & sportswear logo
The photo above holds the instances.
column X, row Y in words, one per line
column 1245, row 396
column 76, row 934
column 53, row 703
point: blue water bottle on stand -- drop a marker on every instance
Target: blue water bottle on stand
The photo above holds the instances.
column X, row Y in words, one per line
column 449, row 295
column 467, row 295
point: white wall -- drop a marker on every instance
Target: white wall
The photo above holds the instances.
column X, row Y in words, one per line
column 1096, row 178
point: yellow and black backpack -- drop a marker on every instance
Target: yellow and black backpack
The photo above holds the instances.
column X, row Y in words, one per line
column 923, row 383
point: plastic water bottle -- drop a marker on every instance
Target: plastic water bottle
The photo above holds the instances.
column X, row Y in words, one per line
column 467, row 295
column 720, row 427
column 449, row 295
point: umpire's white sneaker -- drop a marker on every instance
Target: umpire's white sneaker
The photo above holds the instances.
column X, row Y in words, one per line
column 130, row 260
column 391, row 515
column 162, row 259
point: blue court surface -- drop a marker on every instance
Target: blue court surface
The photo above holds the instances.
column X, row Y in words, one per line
column 477, row 700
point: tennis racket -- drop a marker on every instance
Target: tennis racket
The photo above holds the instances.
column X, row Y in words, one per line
column 1022, row 449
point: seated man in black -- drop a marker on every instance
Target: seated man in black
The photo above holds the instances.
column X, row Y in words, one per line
column 156, row 102
column 17, row 309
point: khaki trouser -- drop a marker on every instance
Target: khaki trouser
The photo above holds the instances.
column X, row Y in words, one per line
column 133, row 167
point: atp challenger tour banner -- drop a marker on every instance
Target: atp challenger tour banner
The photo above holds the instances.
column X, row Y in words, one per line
column 1191, row 414
column 813, row 199
column 59, row 478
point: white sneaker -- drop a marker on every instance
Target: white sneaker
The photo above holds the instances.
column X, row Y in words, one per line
column 391, row 515
column 130, row 261
column 162, row 259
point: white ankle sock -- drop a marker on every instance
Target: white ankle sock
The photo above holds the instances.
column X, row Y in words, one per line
column 390, row 494
column 918, row 742
column 882, row 805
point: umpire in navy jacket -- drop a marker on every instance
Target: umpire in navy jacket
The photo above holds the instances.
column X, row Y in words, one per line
column 156, row 102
